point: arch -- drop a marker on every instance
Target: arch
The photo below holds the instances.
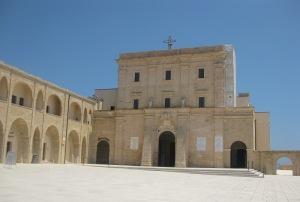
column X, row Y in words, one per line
column 54, row 105
column 73, row 147
column 19, row 140
column 51, row 145
column 3, row 89
column 284, row 165
column 166, row 149
column 75, row 112
column 85, row 116
column 39, row 101
column 83, row 150
column 36, row 146
column 1, row 140
column 22, row 95
column 102, row 152
column 238, row 155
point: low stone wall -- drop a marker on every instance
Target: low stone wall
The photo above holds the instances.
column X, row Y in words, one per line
column 265, row 161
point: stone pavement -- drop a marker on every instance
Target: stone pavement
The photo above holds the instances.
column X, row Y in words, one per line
column 46, row 182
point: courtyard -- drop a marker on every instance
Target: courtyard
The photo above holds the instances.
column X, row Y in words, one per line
column 57, row 182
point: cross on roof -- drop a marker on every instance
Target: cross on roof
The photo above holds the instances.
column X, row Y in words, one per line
column 170, row 42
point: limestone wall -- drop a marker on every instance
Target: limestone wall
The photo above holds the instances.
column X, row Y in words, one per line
column 189, row 125
column 184, row 88
column 27, row 105
column 266, row 161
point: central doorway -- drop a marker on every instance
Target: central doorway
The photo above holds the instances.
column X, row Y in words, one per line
column 238, row 155
column 102, row 152
column 166, row 150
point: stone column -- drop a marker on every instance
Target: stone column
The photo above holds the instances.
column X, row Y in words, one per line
column 147, row 155
column 181, row 141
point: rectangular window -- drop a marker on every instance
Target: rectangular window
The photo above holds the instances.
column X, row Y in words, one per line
column 112, row 108
column 135, row 104
column 168, row 75
column 201, row 102
column 134, row 143
column 47, row 109
column 14, row 99
column 201, row 143
column 136, row 76
column 200, row 73
column 167, row 102
column 218, row 143
column 21, row 101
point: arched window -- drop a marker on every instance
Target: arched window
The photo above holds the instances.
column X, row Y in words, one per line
column 22, row 95
column 3, row 89
column 85, row 116
column 39, row 101
column 75, row 112
column 54, row 105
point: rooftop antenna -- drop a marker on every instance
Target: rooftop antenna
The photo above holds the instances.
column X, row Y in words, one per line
column 170, row 42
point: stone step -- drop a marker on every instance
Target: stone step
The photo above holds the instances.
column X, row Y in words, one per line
column 203, row 171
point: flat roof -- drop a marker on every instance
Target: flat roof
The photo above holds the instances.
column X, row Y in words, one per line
column 179, row 51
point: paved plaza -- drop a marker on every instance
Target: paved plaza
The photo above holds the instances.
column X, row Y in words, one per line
column 46, row 182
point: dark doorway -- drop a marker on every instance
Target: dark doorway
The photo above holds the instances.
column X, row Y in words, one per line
column 166, row 150
column 8, row 147
column 238, row 155
column 102, row 152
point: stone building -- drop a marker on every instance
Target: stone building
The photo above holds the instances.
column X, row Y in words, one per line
column 175, row 107
column 40, row 121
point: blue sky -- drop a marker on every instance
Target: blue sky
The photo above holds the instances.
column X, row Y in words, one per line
column 75, row 43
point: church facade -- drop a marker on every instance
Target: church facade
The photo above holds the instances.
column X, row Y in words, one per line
column 175, row 107
column 179, row 108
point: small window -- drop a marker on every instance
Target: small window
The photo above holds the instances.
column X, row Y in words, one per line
column 201, row 102
column 14, row 99
column 47, row 109
column 168, row 75
column 136, row 76
column 21, row 101
column 200, row 73
column 135, row 104
column 167, row 102
column 112, row 108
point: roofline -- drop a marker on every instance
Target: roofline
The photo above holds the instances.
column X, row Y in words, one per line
column 106, row 88
column 179, row 51
column 21, row 72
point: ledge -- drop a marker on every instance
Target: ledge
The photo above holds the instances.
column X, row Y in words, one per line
column 161, row 53
column 21, row 106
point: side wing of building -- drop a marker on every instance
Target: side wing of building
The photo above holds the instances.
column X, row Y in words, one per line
column 41, row 122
